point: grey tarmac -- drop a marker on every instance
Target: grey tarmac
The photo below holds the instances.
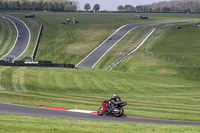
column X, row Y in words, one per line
column 92, row 59
column 36, row 111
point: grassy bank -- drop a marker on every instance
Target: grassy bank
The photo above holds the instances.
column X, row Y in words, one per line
column 126, row 44
column 180, row 46
column 153, row 86
column 87, row 88
column 8, row 35
column 140, row 79
column 175, row 53
column 71, row 43
column 61, row 125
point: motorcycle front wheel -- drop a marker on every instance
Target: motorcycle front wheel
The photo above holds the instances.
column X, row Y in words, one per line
column 119, row 113
column 100, row 111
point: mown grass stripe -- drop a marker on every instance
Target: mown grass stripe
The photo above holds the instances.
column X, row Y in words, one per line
column 18, row 80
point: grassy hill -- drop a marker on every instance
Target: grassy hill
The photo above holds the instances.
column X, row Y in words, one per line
column 87, row 88
column 141, row 79
column 153, row 86
column 175, row 54
column 74, row 42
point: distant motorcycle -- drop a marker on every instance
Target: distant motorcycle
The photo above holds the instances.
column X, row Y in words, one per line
column 117, row 111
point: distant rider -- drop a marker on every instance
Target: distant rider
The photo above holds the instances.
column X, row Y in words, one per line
column 116, row 100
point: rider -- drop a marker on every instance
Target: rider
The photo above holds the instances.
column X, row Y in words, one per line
column 116, row 99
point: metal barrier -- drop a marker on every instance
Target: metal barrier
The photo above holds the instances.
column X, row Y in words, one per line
column 35, row 64
column 133, row 49
column 145, row 37
column 37, row 43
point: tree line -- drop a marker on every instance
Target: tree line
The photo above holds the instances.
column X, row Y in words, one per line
column 61, row 6
column 96, row 7
column 164, row 6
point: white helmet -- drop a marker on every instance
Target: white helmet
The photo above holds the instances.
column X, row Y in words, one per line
column 114, row 95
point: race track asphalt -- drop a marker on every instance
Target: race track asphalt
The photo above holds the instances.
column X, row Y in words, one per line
column 21, row 44
column 36, row 111
column 92, row 59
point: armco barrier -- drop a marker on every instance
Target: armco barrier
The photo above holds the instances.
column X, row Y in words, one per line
column 133, row 49
column 39, row 64
column 37, row 43
column 44, row 62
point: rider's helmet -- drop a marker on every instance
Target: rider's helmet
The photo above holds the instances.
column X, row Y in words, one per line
column 115, row 95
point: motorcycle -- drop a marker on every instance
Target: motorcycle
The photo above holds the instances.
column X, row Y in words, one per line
column 106, row 106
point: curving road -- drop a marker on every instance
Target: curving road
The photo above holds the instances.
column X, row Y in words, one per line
column 22, row 40
column 95, row 56
column 36, row 111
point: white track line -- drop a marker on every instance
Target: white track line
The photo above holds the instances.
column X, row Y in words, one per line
column 100, row 44
column 82, row 111
column 140, row 44
column 113, row 46
column 28, row 39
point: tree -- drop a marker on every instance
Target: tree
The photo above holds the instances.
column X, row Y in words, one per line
column 40, row 6
column 50, row 6
column 138, row 8
column 1, row 5
column 45, row 6
column 158, row 9
column 120, row 8
column 24, row 6
column 75, row 5
column 17, row 4
column 150, row 10
column 56, row 6
column 5, row 6
column 96, row 8
column 166, row 9
column 128, row 8
column 87, row 7
column 187, row 10
column 33, row 5
column 69, row 8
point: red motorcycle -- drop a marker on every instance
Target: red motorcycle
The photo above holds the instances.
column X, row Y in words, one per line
column 106, row 108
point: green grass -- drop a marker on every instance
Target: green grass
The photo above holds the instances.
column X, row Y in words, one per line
column 179, row 45
column 123, row 46
column 175, row 53
column 71, row 43
column 152, row 86
column 87, row 88
column 21, row 124
column 8, row 36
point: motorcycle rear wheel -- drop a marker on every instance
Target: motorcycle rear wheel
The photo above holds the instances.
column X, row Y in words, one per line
column 120, row 113
column 100, row 111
